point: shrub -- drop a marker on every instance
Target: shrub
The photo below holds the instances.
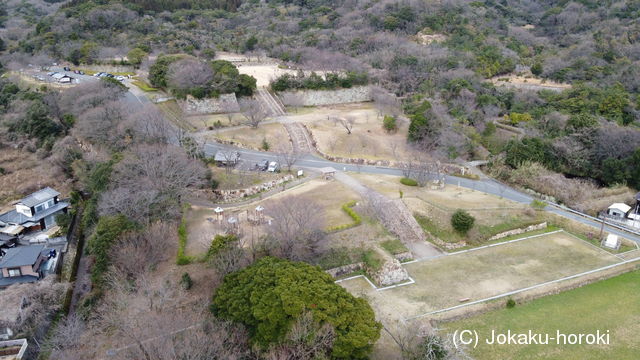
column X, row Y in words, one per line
column 219, row 243
column 389, row 123
column 511, row 303
column 431, row 347
column 538, row 204
column 107, row 231
column 408, row 182
column 462, row 221
column 357, row 220
column 185, row 281
column 265, row 145
column 183, row 259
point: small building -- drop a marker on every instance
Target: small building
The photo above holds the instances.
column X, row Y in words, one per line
column 24, row 264
column 35, row 212
column 62, row 78
column 226, row 158
column 618, row 210
column 328, row 173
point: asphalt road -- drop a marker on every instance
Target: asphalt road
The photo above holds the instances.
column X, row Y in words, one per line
column 489, row 186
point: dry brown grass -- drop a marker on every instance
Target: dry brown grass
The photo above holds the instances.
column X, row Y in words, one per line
column 368, row 139
column 240, row 179
column 581, row 195
column 25, row 173
column 274, row 133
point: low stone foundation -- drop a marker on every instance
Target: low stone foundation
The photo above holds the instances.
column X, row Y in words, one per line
column 346, row 269
column 518, row 231
column 236, row 194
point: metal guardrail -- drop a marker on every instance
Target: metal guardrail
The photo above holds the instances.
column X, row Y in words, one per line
column 613, row 225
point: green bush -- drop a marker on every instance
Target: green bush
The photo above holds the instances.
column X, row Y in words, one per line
column 185, row 281
column 389, row 123
column 511, row 303
column 182, row 258
column 408, row 182
column 538, row 204
column 270, row 295
column 265, row 145
column 108, row 229
column 219, row 243
column 462, row 221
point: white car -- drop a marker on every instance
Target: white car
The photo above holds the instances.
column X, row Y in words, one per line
column 120, row 78
column 273, row 167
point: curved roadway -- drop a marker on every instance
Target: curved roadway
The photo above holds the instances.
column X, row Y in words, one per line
column 489, row 186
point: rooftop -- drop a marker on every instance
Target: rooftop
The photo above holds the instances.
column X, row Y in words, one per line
column 39, row 197
column 21, row 256
column 14, row 217
column 620, row 206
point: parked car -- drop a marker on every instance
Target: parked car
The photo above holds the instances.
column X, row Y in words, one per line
column 109, row 75
column 98, row 74
column 262, row 165
column 120, row 78
column 66, row 68
column 273, row 167
column 80, row 72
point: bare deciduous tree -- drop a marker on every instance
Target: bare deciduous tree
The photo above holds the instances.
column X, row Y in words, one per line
column 288, row 156
column 150, row 182
column 189, row 73
column 138, row 251
column 306, row 340
column 296, row 229
column 253, row 112
column 347, row 122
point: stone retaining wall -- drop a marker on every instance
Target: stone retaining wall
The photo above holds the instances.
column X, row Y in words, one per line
column 390, row 273
column 346, row 269
column 225, row 103
column 518, row 231
column 326, row 97
column 405, row 256
column 230, row 195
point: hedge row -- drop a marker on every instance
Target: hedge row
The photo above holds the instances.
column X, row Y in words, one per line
column 183, row 259
column 357, row 220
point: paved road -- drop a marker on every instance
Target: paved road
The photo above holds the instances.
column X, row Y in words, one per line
column 489, row 186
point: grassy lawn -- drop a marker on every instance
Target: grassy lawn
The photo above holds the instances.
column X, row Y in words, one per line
column 612, row 304
column 144, row 86
column 394, row 246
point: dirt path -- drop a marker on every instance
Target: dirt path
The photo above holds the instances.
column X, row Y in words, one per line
column 395, row 216
column 82, row 284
